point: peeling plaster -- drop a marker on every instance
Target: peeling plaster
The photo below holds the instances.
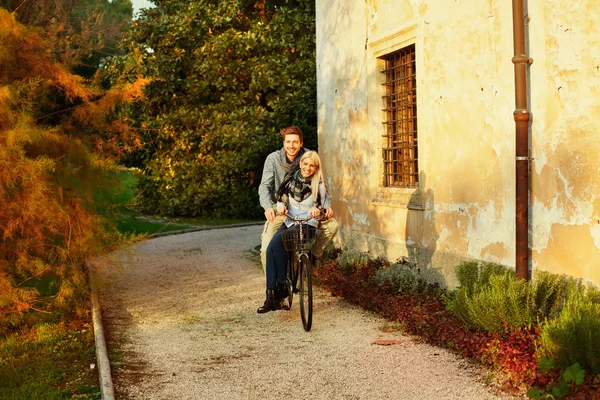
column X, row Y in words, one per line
column 568, row 188
column 482, row 229
column 595, row 232
column 494, row 251
column 361, row 220
column 485, row 231
column 571, row 250
column 540, row 163
column 546, row 217
column 542, row 226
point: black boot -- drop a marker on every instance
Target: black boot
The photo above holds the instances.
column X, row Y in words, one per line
column 281, row 293
column 270, row 303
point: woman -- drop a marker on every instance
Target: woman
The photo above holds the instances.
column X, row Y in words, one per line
column 303, row 191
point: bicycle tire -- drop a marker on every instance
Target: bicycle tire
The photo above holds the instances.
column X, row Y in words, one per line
column 306, row 295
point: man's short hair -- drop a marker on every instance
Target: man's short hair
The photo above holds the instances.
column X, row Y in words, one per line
column 292, row 130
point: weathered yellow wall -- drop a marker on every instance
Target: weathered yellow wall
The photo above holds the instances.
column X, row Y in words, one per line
column 565, row 102
column 465, row 92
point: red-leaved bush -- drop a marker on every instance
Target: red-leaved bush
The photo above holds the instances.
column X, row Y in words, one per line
column 424, row 315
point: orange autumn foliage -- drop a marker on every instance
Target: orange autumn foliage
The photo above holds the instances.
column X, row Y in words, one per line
column 48, row 169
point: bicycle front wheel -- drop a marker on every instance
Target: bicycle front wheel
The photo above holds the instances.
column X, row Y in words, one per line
column 306, row 295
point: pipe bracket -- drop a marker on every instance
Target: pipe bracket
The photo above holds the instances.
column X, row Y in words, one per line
column 522, row 59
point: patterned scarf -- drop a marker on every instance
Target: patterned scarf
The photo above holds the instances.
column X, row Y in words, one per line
column 290, row 166
column 296, row 185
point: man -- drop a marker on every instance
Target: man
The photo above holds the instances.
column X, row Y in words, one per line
column 276, row 166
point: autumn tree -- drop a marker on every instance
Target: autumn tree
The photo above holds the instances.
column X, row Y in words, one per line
column 50, row 122
column 226, row 76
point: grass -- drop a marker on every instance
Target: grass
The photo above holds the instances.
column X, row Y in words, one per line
column 118, row 205
column 49, row 360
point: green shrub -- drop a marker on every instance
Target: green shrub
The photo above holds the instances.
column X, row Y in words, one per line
column 400, row 277
column 500, row 305
column 490, row 297
column 351, row 259
column 550, row 293
column 574, row 335
column 471, row 273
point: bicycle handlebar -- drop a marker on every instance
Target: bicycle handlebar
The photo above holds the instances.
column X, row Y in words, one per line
column 305, row 219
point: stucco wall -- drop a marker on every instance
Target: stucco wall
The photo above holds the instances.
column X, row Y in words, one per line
column 464, row 207
column 565, row 103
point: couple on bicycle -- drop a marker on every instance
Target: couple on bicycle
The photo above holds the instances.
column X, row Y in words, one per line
column 292, row 183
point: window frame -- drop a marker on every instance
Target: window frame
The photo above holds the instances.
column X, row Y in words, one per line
column 400, row 148
column 380, row 46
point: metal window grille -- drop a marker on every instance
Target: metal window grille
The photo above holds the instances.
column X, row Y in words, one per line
column 400, row 148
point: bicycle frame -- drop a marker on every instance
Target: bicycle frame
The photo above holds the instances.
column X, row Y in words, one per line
column 299, row 266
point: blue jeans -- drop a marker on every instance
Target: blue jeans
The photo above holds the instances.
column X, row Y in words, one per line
column 276, row 260
column 277, row 257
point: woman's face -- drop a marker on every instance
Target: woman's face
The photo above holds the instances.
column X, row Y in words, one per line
column 308, row 167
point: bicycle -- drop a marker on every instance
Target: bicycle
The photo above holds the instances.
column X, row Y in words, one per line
column 298, row 240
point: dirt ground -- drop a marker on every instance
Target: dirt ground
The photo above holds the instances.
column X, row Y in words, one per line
column 180, row 316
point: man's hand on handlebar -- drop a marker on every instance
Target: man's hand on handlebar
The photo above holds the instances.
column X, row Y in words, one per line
column 270, row 214
column 314, row 212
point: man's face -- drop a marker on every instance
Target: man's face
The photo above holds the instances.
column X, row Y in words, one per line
column 292, row 145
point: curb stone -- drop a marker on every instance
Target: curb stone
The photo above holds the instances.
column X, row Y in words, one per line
column 107, row 391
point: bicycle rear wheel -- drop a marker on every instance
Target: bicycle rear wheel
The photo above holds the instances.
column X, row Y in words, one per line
column 306, row 295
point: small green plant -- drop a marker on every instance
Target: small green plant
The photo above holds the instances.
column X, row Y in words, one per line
column 550, row 293
column 574, row 335
column 352, row 259
column 492, row 298
column 471, row 273
column 400, row 277
column 499, row 305
column 574, row 374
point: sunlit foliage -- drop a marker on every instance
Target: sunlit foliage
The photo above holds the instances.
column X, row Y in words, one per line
column 51, row 123
column 226, row 76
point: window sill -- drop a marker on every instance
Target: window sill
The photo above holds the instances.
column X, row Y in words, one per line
column 399, row 197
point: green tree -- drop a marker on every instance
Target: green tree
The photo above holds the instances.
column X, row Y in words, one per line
column 226, row 76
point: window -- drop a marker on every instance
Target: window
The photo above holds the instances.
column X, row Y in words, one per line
column 400, row 147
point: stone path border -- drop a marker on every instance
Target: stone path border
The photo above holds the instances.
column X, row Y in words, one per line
column 107, row 391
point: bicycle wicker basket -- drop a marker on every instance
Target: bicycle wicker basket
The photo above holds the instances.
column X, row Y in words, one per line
column 292, row 240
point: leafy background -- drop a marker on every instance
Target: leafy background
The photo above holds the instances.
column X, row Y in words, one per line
column 226, row 76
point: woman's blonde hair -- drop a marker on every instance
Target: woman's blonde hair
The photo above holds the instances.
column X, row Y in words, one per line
column 317, row 176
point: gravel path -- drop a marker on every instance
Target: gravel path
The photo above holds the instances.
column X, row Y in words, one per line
column 181, row 321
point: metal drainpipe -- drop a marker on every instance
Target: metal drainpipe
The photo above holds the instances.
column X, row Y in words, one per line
column 521, row 115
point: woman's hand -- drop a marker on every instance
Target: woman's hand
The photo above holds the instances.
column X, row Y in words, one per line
column 328, row 212
column 281, row 209
column 314, row 212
